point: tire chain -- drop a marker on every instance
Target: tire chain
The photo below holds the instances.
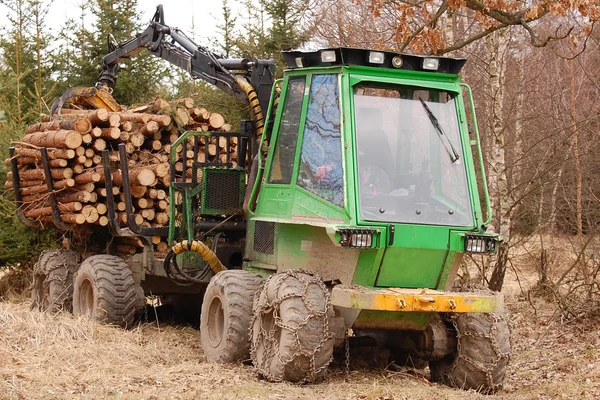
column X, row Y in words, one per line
column 41, row 278
column 268, row 339
column 488, row 371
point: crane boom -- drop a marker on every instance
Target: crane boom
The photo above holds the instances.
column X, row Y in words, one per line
column 172, row 45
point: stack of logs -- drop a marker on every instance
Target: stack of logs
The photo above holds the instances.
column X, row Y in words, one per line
column 75, row 143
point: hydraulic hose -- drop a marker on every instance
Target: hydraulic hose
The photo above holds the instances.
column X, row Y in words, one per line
column 203, row 250
column 257, row 114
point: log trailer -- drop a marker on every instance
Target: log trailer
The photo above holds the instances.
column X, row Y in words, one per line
column 347, row 216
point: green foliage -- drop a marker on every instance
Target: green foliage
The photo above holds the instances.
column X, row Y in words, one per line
column 140, row 77
column 25, row 71
column 19, row 244
column 25, row 87
column 74, row 65
column 226, row 30
column 271, row 26
column 285, row 32
column 82, row 47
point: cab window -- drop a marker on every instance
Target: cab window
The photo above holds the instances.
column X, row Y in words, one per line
column 320, row 170
column 283, row 159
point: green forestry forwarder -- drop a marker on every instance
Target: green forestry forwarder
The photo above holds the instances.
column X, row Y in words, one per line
column 349, row 219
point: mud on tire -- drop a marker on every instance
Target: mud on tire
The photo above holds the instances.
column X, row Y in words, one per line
column 291, row 336
column 225, row 316
column 482, row 354
column 52, row 287
column 105, row 291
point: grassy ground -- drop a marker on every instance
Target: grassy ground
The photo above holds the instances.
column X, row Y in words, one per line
column 59, row 357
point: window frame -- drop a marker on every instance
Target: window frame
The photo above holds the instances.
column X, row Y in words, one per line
column 340, row 94
column 355, row 79
column 277, row 131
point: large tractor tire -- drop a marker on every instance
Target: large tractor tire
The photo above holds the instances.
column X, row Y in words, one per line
column 106, row 292
column 52, row 287
column 481, row 356
column 291, row 334
column 225, row 316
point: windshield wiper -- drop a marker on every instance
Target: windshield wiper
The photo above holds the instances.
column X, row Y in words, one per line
column 436, row 124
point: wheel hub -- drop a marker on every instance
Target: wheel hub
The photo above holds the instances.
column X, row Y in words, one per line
column 217, row 318
column 86, row 300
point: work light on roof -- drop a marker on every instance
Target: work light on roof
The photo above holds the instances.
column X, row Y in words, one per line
column 376, row 57
column 431, row 64
column 299, row 62
column 328, row 56
column 397, row 61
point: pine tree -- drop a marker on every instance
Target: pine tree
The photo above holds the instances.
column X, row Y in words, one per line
column 140, row 78
column 82, row 49
column 24, row 86
column 285, row 31
column 226, row 31
column 74, row 66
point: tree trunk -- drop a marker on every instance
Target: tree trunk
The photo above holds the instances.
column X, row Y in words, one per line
column 497, row 45
column 575, row 133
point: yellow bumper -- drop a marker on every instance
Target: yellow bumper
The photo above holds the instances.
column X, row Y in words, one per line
column 421, row 300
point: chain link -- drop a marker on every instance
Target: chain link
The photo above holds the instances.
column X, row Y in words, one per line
column 146, row 313
column 347, row 353
column 487, row 366
column 271, row 326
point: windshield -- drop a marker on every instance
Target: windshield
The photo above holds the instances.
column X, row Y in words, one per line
column 410, row 158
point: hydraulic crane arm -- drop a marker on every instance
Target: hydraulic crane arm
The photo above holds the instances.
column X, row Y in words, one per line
column 180, row 51
column 172, row 45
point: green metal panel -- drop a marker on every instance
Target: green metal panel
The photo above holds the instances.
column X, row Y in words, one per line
column 308, row 206
column 416, row 258
column 390, row 320
column 367, row 267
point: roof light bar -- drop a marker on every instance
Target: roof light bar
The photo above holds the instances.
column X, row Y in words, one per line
column 344, row 56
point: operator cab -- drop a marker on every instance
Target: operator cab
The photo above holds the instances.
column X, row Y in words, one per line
column 369, row 150
column 401, row 114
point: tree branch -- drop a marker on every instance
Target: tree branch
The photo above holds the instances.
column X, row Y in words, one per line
column 470, row 39
column 437, row 16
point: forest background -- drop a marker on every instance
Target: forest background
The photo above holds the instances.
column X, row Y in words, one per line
column 534, row 67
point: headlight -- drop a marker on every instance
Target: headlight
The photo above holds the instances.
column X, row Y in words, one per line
column 376, row 57
column 480, row 244
column 431, row 64
column 357, row 238
column 328, row 56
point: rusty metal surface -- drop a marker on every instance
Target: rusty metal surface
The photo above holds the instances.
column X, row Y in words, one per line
column 414, row 300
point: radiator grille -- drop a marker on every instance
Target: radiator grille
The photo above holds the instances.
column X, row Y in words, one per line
column 264, row 237
column 222, row 191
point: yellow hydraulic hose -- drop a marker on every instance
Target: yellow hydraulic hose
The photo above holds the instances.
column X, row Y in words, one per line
column 257, row 114
column 205, row 252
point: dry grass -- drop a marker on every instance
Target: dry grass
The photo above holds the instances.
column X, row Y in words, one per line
column 59, row 357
